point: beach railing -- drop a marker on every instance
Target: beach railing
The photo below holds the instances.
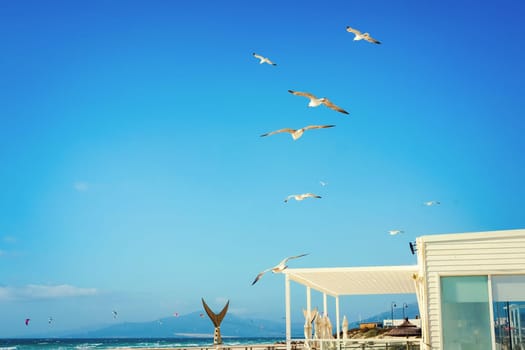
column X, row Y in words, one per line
column 363, row 344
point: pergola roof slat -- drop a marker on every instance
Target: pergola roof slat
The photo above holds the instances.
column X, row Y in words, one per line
column 357, row 280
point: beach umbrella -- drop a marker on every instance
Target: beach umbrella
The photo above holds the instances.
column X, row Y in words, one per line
column 328, row 328
column 307, row 325
column 318, row 327
column 307, row 329
column 345, row 327
column 309, row 317
column 322, row 327
column 405, row 329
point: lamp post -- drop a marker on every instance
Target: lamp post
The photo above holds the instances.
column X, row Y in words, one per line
column 405, row 306
column 392, row 306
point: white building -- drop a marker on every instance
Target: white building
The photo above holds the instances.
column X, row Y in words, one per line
column 467, row 283
column 470, row 289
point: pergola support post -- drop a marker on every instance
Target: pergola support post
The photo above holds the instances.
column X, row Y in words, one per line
column 288, row 313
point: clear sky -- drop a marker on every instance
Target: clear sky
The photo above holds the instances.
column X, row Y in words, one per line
column 134, row 178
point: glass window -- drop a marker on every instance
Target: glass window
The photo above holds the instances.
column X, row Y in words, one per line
column 465, row 313
column 508, row 294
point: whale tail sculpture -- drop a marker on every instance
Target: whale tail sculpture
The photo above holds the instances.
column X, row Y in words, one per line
column 216, row 319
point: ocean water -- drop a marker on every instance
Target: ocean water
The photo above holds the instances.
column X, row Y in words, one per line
column 115, row 343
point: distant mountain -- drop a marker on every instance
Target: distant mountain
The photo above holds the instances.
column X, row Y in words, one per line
column 199, row 325
column 193, row 325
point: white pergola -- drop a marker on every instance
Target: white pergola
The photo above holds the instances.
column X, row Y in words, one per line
column 342, row 281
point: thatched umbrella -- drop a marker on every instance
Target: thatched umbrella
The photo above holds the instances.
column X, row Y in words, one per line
column 405, row 329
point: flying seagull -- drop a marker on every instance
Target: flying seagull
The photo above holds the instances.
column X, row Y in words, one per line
column 297, row 133
column 315, row 101
column 115, row 314
column 300, row 197
column 431, row 203
column 323, row 183
column 263, row 59
column 395, row 232
column 277, row 268
column 361, row 36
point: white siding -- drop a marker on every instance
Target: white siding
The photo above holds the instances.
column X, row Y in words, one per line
column 496, row 252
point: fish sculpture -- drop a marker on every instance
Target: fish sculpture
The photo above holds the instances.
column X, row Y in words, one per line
column 216, row 319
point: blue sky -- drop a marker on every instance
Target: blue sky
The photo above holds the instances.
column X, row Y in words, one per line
column 134, row 178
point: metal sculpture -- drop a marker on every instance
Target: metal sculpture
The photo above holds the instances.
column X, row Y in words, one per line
column 216, row 319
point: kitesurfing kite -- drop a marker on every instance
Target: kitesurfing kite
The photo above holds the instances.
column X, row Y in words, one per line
column 27, row 321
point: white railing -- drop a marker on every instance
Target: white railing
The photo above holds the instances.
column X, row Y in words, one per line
column 370, row 343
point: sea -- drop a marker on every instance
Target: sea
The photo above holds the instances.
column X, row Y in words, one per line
column 116, row 343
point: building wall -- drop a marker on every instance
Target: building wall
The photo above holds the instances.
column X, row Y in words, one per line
column 485, row 253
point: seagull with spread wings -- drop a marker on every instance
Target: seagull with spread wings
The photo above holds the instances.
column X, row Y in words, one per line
column 300, row 197
column 297, row 133
column 431, row 203
column 361, row 36
column 263, row 59
column 280, row 267
column 395, row 232
column 315, row 101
